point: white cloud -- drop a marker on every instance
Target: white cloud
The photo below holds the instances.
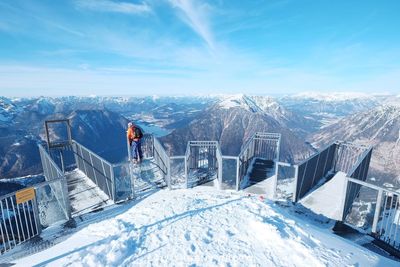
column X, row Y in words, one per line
column 195, row 15
column 111, row 6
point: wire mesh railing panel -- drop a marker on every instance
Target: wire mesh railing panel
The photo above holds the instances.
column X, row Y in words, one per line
column 50, row 168
column 50, row 209
column 123, row 182
column 285, row 181
column 52, row 172
column 178, row 172
column 245, row 158
column 147, row 145
column 160, row 156
column 229, row 172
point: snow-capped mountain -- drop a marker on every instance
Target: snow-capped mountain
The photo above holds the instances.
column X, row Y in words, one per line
column 232, row 121
column 378, row 127
column 268, row 106
column 7, row 111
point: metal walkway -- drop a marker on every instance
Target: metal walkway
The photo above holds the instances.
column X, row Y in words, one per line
column 84, row 195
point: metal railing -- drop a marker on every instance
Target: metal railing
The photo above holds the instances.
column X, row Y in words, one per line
column 230, row 172
column 311, row 171
column 52, row 172
column 260, row 145
column 349, row 158
column 99, row 170
column 285, row 177
column 358, row 172
column 203, row 162
column 386, row 212
column 24, row 213
column 267, row 145
column 177, row 168
column 347, row 155
column 161, row 158
column 18, row 222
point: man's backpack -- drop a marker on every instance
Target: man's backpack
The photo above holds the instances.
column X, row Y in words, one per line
column 137, row 133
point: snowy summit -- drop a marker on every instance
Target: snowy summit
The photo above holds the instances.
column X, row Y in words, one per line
column 204, row 227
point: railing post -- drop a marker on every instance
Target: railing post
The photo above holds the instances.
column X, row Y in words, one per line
column 169, row 173
column 275, row 180
column 129, row 149
column 114, row 189
column 62, row 161
column 296, row 180
column 64, row 187
column 237, row 174
column 186, row 172
column 377, row 211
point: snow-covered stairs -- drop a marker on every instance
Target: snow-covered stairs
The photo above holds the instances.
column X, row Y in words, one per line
column 261, row 177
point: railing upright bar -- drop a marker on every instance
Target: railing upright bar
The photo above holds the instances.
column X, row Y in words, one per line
column 26, row 221
column 5, row 226
column 389, row 216
column 9, row 220
column 20, row 222
column 383, row 215
column 30, row 219
column 237, row 174
column 15, row 216
column 395, row 209
column 397, row 223
column 377, row 211
column 2, row 233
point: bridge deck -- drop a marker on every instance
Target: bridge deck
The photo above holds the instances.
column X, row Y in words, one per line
column 84, row 195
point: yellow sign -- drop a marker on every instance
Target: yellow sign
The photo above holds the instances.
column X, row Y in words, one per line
column 25, row 195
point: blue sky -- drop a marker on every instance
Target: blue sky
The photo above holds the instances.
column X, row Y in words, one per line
column 137, row 47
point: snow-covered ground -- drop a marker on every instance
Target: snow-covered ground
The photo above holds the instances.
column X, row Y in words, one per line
column 205, row 227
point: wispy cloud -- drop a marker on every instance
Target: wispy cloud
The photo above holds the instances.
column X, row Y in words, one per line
column 195, row 15
column 111, row 6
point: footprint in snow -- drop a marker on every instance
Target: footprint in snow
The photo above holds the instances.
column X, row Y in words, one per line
column 187, row 236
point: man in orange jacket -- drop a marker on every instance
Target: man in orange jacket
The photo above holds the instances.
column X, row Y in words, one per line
column 134, row 135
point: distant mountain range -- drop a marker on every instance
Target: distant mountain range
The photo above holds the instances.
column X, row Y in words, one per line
column 234, row 119
column 100, row 122
column 378, row 127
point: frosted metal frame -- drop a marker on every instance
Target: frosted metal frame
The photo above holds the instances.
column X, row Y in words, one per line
column 51, row 144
